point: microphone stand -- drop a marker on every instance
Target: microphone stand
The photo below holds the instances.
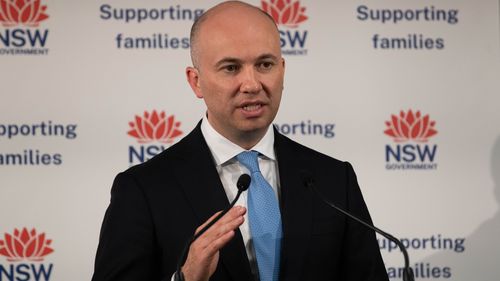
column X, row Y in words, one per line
column 407, row 271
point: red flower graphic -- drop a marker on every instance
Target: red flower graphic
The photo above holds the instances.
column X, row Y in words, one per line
column 285, row 12
column 25, row 245
column 27, row 12
column 155, row 127
column 410, row 126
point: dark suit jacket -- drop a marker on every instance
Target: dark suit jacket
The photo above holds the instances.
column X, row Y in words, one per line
column 156, row 206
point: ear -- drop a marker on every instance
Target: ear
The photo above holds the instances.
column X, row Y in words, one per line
column 193, row 78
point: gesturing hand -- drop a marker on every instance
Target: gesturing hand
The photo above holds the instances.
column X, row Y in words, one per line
column 203, row 254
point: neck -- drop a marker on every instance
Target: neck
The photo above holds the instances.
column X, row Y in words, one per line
column 244, row 139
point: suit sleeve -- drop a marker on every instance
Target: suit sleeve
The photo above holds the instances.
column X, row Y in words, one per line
column 361, row 258
column 127, row 248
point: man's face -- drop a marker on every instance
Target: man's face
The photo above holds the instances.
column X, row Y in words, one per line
column 240, row 72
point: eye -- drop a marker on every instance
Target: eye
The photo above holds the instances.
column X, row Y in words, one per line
column 265, row 65
column 231, row 68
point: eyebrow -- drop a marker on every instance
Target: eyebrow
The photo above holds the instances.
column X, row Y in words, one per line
column 267, row 56
column 239, row 61
column 227, row 60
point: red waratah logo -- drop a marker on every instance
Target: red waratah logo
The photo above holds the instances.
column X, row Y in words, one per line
column 25, row 245
column 285, row 12
column 22, row 12
column 155, row 127
column 410, row 126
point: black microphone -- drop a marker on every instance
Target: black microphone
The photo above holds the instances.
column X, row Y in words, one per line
column 407, row 271
column 242, row 184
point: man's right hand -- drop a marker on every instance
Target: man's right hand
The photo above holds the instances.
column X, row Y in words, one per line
column 203, row 254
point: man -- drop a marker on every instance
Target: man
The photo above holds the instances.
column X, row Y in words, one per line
column 155, row 207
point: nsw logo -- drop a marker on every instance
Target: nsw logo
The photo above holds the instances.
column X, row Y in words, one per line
column 410, row 132
column 154, row 132
column 20, row 12
column 288, row 15
column 21, row 19
column 25, row 251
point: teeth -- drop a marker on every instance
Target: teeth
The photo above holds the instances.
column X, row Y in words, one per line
column 251, row 107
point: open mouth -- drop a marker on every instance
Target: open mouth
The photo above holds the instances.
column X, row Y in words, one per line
column 252, row 107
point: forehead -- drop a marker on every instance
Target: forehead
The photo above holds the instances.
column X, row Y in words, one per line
column 239, row 32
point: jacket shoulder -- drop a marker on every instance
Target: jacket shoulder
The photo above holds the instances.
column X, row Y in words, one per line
column 304, row 153
column 165, row 161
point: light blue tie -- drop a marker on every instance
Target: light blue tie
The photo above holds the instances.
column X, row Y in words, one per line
column 264, row 218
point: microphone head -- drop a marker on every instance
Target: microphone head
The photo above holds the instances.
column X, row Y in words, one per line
column 243, row 182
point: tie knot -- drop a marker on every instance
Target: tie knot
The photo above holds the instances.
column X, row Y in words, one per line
column 249, row 159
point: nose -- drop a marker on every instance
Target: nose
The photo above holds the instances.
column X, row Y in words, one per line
column 250, row 82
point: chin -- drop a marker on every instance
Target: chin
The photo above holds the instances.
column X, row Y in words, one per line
column 254, row 127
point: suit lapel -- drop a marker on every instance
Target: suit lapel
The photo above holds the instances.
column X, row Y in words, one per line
column 296, row 209
column 205, row 193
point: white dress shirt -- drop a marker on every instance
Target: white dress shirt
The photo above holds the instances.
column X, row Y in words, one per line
column 224, row 154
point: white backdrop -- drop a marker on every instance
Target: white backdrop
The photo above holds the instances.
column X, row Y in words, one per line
column 66, row 103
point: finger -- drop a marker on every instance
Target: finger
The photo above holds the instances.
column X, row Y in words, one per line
column 220, row 228
column 207, row 246
column 207, row 222
column 225, row 236
column 214, row 247
column 233, row 213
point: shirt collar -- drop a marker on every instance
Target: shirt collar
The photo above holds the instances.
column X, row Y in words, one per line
column 224, row 150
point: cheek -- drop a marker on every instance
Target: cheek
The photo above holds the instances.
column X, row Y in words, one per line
column 275, row 87
column 216, row 96
column 222, row 91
